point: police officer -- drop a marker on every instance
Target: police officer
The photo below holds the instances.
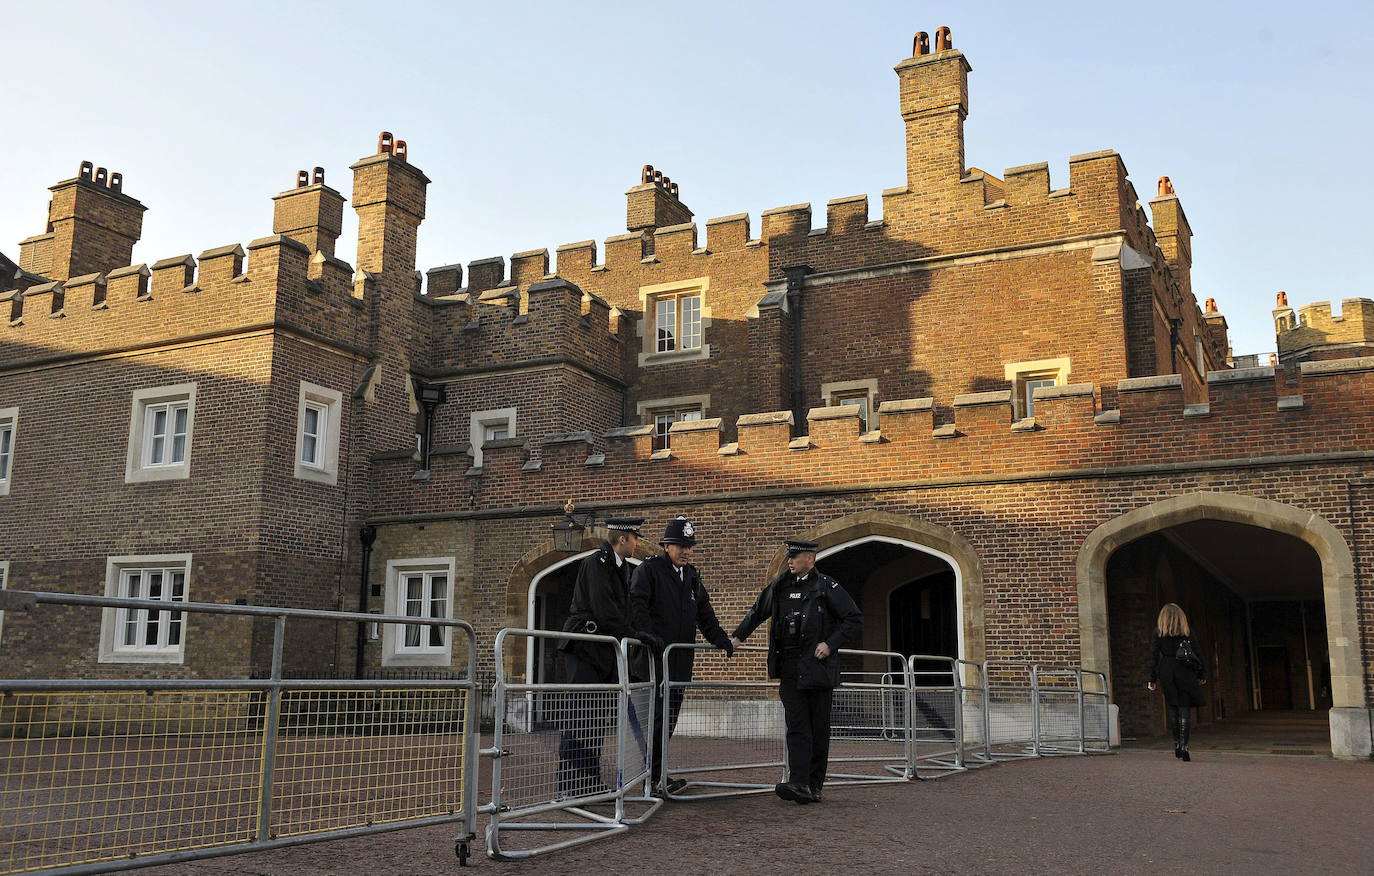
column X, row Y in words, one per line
column 600, row 605
column 669, row 603
column 813, row 617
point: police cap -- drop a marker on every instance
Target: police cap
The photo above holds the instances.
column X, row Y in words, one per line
column 796, row 546
column 625, row 524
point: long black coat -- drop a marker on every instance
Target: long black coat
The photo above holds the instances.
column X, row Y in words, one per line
column 600, row 594
column 829, row 615
column 674, row 609
column 1181, row 685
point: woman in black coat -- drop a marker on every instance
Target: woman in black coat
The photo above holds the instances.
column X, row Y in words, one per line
column 1176, row 666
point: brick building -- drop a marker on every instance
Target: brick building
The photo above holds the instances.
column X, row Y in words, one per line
column 996, row 405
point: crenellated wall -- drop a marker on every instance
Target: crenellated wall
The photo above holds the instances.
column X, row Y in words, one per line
column 1070, row 437
column 276, row 282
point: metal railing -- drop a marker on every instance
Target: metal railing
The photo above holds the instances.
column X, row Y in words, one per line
column 1097, row 716
column 549, row 771
column 100, row 775
column 937, row 715
column 1011, row 713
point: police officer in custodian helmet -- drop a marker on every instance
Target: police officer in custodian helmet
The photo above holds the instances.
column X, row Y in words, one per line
column 813, row 617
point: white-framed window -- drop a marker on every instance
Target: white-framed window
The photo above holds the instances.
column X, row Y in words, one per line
column 145, row 635
column 662, row 413
column 9, row 424
column 1026, row 377
column 160, row 426
column 318, row 421
column 664, row 418
column 676, row 319
column 861, row 393
column 677, row 322
column 493, row 425
column 422, row 589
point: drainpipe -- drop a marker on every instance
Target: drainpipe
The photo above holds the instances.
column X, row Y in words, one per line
column 796, row 277
column 366, row 535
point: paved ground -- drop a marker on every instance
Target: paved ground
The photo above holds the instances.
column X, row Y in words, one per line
column 1136, row 811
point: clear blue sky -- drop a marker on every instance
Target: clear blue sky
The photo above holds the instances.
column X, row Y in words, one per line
column 532, row 119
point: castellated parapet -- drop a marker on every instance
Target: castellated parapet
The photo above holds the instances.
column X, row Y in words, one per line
column 1250, row 419
column 1313, row 333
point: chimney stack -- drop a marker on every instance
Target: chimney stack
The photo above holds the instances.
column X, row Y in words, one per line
column 934, row 103
column 654, row 203
column 92, row 227
column 389, row 197
column 311, row 213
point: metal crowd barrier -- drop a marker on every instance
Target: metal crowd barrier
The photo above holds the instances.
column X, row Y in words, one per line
column 729, row 737
column 549, row 749
column 1059, row 717
column 1097, row 716
column 975, row 750
column 937, row 715
column 1011, row 709
column 100, row 775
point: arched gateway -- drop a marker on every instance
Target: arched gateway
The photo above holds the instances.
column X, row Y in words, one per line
column 1220, row 513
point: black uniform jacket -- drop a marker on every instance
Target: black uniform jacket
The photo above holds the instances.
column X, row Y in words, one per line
column 1181, row 685
column 829, row 615
column 674, row 610
column 602, row 595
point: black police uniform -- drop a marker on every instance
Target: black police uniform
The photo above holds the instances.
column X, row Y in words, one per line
column 600, row 605
column 670, row 603
column 805, row 612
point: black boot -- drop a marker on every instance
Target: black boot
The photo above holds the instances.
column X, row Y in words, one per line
column 1172, row 712
column 1183, row 728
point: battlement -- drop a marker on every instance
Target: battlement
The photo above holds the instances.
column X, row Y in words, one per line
column 552, row 317
column 1313, row 332
column 275, row 280
column 1245, row 421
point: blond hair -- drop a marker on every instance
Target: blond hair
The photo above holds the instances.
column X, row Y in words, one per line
column 1172, row 621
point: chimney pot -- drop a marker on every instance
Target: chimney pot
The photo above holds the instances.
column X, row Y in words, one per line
column 384, row 143
column 400, row 151
column 1282, row 299
column 319, row 176
column 87, row 169
column 1166, row 187
column 102, row 176
column 1211, row 305
column 943, row 39
column 117, row 182
column 302, row 179
column 647, row 174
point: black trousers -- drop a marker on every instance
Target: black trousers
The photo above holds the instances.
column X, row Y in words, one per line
column 584, row 728
column 674, row 707
column 807, row 713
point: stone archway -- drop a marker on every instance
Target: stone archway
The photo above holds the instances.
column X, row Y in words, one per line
column 1338, row 586
column 868, row 525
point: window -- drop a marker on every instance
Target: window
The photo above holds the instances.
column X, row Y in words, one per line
column 421, row 589
column 145, row 635
column 486, row 426
column 677, row 322
column 664, row 418
column 854, row 392
column 858, row 398
column 1025, row 377
column 160, row 425
column 318, row 425
column 9, row 418
column 1027, row 394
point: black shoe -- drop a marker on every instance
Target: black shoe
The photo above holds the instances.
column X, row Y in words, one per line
column 1183, row 753
column 1178, row 752
column 675, row 785
column 815, row 794
column 799, row 794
